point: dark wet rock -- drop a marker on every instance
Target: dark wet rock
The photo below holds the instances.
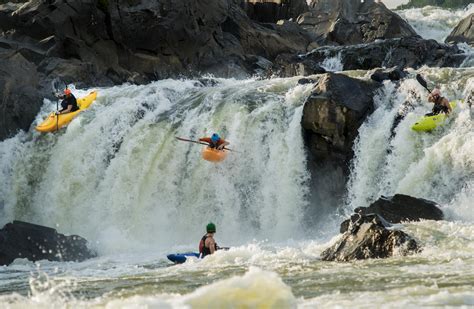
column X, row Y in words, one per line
column 304, row 81
column 393, row 74
column 347, row 22
column 403, row 53
column 272, row 11
column 332, row 115
column 367, row 237
column 35, row 242
column 463, row 32
column 400, row 208
column 19, row 98
column 291, row 65
column 334, row 112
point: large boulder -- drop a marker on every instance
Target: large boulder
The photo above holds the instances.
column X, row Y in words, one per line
column 36, row 242
column 347, row 22
column 400, row 208
column 369, row 238
column 331, row 117
column 333, row 113
column 463, row 32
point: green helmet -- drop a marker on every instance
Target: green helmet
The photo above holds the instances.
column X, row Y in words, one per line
column 211, row 227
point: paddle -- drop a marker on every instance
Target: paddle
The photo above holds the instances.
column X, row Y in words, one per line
column 197, row 142
column 422, row 82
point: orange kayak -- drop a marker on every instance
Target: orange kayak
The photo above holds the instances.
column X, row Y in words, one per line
column 52, row 123
column 214, row 155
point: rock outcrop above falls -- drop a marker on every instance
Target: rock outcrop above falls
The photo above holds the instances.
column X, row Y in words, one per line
column 463, row 32
column 332, row 115
column 348, row 22
column 412, row 52
column 369, row 238
column 36, row 242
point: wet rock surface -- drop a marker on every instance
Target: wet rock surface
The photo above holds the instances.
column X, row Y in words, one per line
column 400, row 208
column 463, row 32
column 368, row 237
column 35, row 242
column 412, row 52
column 348, row 22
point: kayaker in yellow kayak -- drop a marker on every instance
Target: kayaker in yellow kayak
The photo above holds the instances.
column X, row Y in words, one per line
column 69, row 103
column 208, row 245
column 215, row 141
column 441, row 104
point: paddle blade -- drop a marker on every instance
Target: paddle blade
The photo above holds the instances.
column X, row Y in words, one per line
column 422, row 81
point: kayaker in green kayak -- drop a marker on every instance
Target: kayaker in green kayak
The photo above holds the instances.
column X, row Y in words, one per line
column 441, row 104
column 208, row 245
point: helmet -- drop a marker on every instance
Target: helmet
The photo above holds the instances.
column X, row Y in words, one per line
column 211, row 227
column 215, row 137
column 67, row 91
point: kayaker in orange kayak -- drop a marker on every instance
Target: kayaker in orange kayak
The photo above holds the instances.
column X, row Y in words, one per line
column 69, row 103
column 215, row 141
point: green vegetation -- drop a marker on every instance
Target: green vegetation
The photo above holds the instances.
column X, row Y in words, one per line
column 451, row 4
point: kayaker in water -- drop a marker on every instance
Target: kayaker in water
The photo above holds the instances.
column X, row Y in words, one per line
column 69, row 103
column 208, row 245
column 441, row 104
column 215, row 141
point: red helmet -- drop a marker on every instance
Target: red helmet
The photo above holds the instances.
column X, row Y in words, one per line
column 67, row 91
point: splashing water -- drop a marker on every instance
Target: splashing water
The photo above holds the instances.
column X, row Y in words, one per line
column 433, row 22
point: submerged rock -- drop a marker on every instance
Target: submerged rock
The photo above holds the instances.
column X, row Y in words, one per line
column 463, row 32
column 400, row 208
column 35, row 242
column 368, row 237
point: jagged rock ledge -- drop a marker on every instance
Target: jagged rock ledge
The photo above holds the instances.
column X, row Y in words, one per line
column 35, row 242
column 409, row 52
column 369, row 232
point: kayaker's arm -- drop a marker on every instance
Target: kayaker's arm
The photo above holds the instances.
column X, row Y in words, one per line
column 211, row 244
column 446, row 103
column 221, row 146
column 65, row 111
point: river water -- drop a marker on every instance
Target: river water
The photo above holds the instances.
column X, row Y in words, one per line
column 117, row 176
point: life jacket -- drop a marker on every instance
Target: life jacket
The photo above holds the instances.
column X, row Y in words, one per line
column 203, row 250
column 71, row 100
column 439, row 107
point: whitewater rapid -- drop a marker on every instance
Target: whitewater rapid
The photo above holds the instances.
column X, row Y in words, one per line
column 117, row 176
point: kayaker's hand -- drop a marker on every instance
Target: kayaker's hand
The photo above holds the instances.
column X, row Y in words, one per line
column 58, row 113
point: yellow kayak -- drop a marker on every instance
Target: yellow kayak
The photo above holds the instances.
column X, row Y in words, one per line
column 428, row 123
column 53, row 123
column 213, row 155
